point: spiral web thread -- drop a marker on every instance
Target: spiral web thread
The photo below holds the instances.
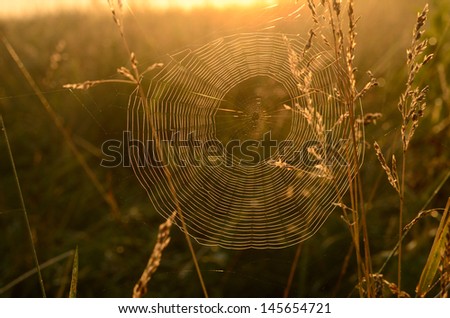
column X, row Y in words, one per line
column 276, row 201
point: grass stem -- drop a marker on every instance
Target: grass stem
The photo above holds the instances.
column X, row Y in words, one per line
column 24, row 209
column 108, row 197
column 292, row 271
column 406, row 231
column 400, row 222
column 137, row 76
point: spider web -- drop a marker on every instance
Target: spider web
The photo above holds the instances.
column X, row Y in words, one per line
column 241, row 89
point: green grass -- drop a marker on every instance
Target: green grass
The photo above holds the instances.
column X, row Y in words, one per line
column 66, row 210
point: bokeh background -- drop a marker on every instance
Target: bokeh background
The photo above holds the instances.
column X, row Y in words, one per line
column 80, row 41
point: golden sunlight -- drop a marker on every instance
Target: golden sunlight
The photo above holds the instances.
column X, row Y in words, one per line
column 30, row 7
column 190, row 4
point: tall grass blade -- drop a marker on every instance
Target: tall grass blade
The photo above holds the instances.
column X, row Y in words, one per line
column 292, row 271
column 107, row 196
column 30, row 273
column 434, row 258
column 407, row 229
column 74, row 281
column 24, row 209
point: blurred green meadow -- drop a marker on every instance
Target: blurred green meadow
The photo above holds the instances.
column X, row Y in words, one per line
column 66, row 210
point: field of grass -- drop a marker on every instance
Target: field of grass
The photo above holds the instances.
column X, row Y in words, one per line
column 115, row 227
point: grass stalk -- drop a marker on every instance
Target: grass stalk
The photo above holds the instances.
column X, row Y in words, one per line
column 107, row 197
column 400, row 222
column 358, row 203
column 24, row 209
column 298, row 251
column 33, row 271
column 344, row 50
column 407, row 229
column 411, row 105
column 173, row 192
column 136, row 77
column 74, row 279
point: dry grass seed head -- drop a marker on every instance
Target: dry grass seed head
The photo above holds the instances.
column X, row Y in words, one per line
column 419, row 216
column 312, row 8
column 154, row 261
column 391, row 173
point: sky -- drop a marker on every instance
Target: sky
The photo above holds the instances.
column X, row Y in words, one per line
column 27, row 7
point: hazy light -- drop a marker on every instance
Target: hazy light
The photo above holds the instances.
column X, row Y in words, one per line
column 29, row 7
column 190, row 4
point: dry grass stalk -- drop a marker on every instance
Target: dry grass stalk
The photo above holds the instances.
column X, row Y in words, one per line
column 344, row 45
column 390, row 172
column 337, row 6
column 135, row 79
column 24, row 209
column 314, row 119
column 369, row 85
column 312, row 8
column 117, row 14
column 341, row 119
column 293, row 60
column 308, row 44
column 304, row 77
column 107, row 196
column 411, row 106
column 350, row 55
column 126, row 73
column 444, row 84
column 163, row 239
column 394, row 173
column 395, row 290
column 436, row 256
column 292, row 271
column 356, row 191
column 369, row 118
column 334, row 20
column 419, row 216
column 82, row 86
column 130, row 78
column 382, row 286
column 445, row 267
column 412, row 102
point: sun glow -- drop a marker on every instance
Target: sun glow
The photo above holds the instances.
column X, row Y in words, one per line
column 218, row 4
column 30, row 7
